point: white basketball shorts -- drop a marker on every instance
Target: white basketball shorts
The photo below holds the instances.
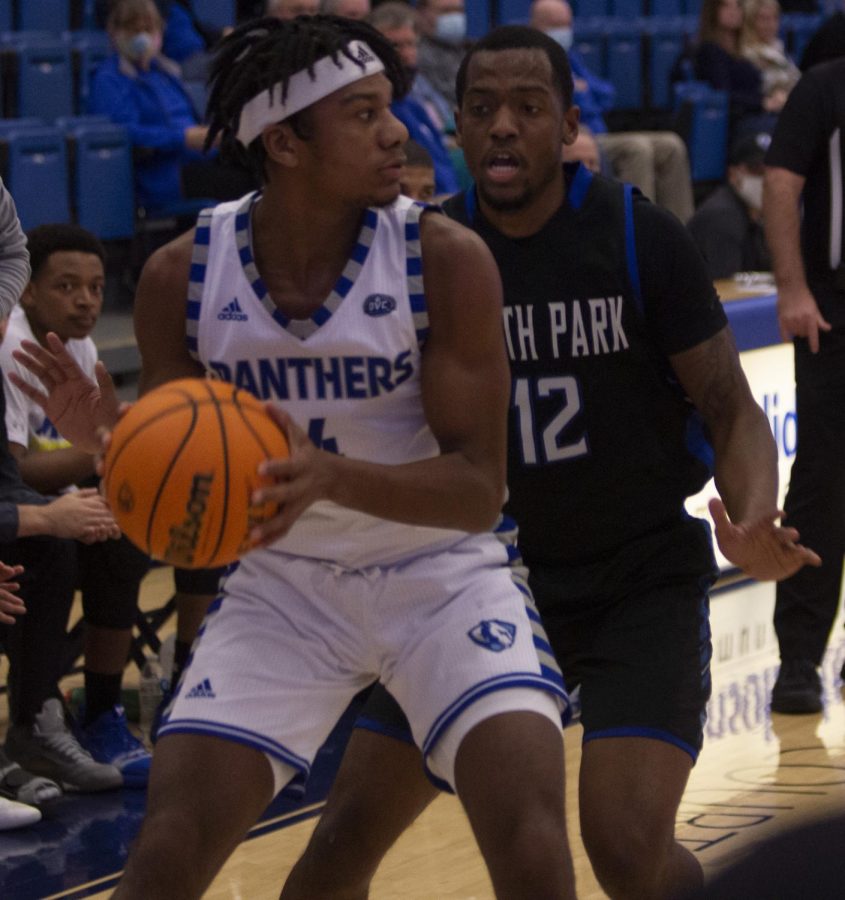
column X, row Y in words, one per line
column 291, row 640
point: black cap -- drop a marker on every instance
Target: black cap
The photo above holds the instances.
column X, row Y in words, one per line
column 750, row 149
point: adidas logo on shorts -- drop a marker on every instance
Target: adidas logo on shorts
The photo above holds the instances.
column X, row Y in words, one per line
column 232, row 312
column 202, row 690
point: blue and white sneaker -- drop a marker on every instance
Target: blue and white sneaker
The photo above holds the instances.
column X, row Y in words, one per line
column 109, row 740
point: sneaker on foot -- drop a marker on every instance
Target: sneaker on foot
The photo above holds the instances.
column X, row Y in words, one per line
column 48, row 747
column 109, row 740
column 23, row 787
column 16, row 815
column 798, row 688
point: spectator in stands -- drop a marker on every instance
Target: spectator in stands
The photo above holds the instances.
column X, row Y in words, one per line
column 397, row 22
column 141, row 89
column 762, row 47
column 65, row 295
column 417, row 181
column 349, row 9
column 443, row 25
column 657, row 162
column 728, row 226
column 290, row 9
column 716, row 56
column 584, row 149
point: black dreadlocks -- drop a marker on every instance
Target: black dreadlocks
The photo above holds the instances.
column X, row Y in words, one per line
column 263, row 53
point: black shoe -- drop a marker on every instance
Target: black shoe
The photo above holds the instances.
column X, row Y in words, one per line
column 798, row 688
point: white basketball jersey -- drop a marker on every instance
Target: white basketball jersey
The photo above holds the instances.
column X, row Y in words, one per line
column 349, row 375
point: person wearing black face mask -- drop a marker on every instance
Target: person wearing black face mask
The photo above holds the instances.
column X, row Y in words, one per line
column 728, row 226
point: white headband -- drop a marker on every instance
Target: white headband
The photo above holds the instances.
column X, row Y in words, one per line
column 303, row 89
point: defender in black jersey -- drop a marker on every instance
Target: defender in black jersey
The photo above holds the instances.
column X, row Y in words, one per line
column 627, row 393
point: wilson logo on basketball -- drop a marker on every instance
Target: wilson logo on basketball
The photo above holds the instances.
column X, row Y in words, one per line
column 379, row 304
column 183, row 538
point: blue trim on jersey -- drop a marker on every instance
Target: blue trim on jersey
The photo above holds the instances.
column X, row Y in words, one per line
column 543, row 644
column 202, row 235
column 302, row 328
column 238, row 736
column 194, row 309
column 581, row 182
column 497, row 683
column 555, row 676
column 631, row 246
column 196, row 279
column 533, row 614
column 394, row 731
column 637, row 731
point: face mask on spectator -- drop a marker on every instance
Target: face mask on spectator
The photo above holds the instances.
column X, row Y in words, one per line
column 141, row 46
column 564, row 37
column 451, row 27
column 750, row 188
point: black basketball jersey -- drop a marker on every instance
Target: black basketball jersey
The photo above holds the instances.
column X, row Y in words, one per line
column 603, row 446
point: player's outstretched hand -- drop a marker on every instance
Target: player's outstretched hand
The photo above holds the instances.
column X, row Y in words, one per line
column 75, row 404
column 763, row 549
column 10, row 604
column 299, row 480
column 83, row 515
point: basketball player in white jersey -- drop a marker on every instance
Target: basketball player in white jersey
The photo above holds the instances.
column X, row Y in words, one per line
column 382, row 563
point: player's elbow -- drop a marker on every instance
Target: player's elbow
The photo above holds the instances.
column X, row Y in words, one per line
column 483, row 515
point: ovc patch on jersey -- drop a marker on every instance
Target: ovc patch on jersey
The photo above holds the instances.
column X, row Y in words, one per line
column 494, row 634
column 379, row 304
column 232, row 312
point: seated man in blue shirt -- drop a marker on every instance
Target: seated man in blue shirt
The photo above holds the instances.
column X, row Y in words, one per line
column 656, row 162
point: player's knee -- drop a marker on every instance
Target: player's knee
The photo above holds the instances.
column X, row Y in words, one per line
column 629, row 860
column 338, row 863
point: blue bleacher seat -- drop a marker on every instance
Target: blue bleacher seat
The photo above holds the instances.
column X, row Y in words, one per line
column 35, row 171
column 666, row 7
column 586, row 8
column 707, row 138
column 797, row 29
column 478, row 18
column 219, row 13
column 50, row 15
column 88, row 50
column 629, row 9
column 591, row 43
column 665, row 44
column 625, row 65
column 44, row 79
column 101, row 154
column 511, row 12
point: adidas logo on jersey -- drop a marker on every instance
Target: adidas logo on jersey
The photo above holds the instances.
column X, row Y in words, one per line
column 232, row 312
column 203, row 690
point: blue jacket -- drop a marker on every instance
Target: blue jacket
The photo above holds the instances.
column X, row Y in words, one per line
column 412, row 114
column 596, row 100
column 156, row 110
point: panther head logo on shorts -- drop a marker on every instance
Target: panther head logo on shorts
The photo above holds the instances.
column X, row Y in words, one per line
column 494, row 634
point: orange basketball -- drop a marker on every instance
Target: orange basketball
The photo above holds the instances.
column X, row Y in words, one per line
column 182, row 467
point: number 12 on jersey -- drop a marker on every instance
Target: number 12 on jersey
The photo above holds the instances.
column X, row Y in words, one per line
column 545, row 442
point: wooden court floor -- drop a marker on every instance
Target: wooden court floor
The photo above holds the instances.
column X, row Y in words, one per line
column 758, row 774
